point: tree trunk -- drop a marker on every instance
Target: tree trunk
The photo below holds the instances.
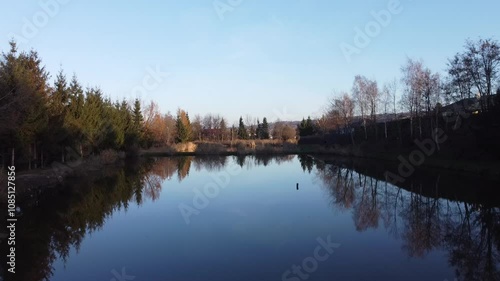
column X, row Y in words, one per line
column 29, row 158
column 385, row 128
column 400, row 133
column 81, row 151
column 3, row 159
column 62, row 155
column 35, row 156
column 411, row 127
column 420, row 126
column 41, row 158
column 12, row 162
column 364, row 126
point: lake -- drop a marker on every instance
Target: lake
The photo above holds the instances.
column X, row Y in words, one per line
column 260, row 218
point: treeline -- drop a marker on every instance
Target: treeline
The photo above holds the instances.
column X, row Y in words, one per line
column 164, row 130
column 469, row 86
column 42, row 122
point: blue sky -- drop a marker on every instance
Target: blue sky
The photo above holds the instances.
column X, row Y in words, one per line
column 279, row 59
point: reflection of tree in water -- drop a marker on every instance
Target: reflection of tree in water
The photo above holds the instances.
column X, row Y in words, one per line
column 422, row 225
column 210, row 163
column 165, row 167
column 249, row 161
column 152, row 186
column 62, row 218
column 473, row 239
column 262, row 160
column 367, row 212
column 183, row 167
column 240, row 160
column 470, row 234
column 340, row 183
column 307, row 163
column 280, row 159
column 59, row 223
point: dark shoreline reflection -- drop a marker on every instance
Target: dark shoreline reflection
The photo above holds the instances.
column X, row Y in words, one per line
column 416, row 214
column 430, row 211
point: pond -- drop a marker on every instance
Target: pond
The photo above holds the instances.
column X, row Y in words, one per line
column 260, row 218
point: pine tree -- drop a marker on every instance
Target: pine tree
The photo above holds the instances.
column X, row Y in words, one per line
column 138, row 119
column 23, row 97
column 306, row 127
column 265, row 129
column 60, row 96
column 137, row 124
column 183, row 126
column 123, row 123
column 73, row 119
column 58, row 133
column 242, row 131
column 93, row 120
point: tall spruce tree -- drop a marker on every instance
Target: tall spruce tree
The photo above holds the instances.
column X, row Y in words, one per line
column 183, row 126
column 264, row 129
column 242, row 131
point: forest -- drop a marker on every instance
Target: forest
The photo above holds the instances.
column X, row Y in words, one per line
column 463, row 104
column 42, row 122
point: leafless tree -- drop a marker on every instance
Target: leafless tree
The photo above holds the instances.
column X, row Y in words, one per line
column 387, row 99
column 421, row 92
column 277, row 131
column 197, row 127
column 460, row 80
column 481, row 61
column 359, row 95
column 365, row 93
column 343, row 107
column 288, row 133
column 372, row 96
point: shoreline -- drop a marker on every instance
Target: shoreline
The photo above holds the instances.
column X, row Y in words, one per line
column 58, row 174
column 490, row 169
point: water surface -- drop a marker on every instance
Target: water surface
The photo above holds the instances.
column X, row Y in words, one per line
column 265, row 218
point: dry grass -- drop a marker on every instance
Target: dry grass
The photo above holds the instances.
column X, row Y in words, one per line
column 265, row 147
column 185, row 147
column 235, row 147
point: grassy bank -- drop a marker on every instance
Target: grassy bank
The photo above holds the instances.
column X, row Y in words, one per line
column 486, row 167
column 239, row 147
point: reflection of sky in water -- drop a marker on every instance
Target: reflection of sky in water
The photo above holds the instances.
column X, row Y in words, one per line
column 258, row 226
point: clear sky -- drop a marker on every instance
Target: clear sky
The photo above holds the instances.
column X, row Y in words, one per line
column 279, row 59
